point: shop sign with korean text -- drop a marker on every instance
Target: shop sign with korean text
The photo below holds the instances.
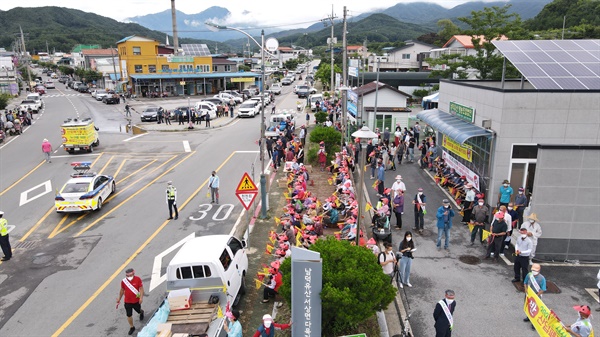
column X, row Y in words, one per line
column 463, row 112
column 463, row 151
column 461, row 169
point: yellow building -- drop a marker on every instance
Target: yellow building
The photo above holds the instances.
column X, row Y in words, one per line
column 150, row 68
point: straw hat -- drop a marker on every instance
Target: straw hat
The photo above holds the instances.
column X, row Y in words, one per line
column 533, row 217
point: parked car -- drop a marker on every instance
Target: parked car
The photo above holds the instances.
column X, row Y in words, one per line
column 111, row 98
column 215, row 100
column 255, row 88
column 149, row 114
column 313, row 101
column 63, row 79
column 226, row 97
column 302, row 91
column 275, row 88
column 205, row 107
column 84, row 88
column 248, row 93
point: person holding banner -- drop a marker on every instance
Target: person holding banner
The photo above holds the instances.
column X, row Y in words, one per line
column 582, row 327
column 535, row 281
column 443, row 315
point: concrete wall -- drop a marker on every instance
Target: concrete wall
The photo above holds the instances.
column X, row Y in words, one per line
column 385, row 98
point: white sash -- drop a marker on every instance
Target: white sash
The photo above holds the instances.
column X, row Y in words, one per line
column 131, row 287
column 534, row 284
column 447, row 312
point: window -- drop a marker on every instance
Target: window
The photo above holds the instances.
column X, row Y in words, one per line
column 235, row 245
column 202, row 68
column 165, row 68
column 228, row 67
column 225, row 259
column 137, row 51
column 138, row 68
column 406, row 56
column 215, row 69
column 152, row 68
column 183, row 273
column 524, row 152
column 186, row 68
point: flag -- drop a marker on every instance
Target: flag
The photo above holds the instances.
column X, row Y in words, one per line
column 272, row 239
column 298, row 236
column 319, row 204
column 471, row 226
column 269, row 249
column 365, row 169
column 485, row 235
column 337, row 203
column 461, row 212
column 368, row 207
column 257, row 283
column 375, row 184
column 444, row 179
column 302, row 227
column 437, row 179
column 277, row 221
column 286, row 195
column 330, row 181
column 457, row 194
column 220, row 312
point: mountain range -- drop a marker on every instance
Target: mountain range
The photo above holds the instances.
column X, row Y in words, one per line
column 422, row 13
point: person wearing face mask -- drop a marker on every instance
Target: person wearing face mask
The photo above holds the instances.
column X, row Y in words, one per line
column 534, row 231
column 268, row 326
column 133, row 289
column 510, row 219
column 398, row 185
column 407, row 246
column 468, row 203
column 480, row 215
column 520, row 204
column 445, row 214
column 535, row 281
column 505, row 194
column 234, row 327
column 443, row 315
column 582, row 327
column 497, row 231
column 419, row 201
column 522, row 251
column 213, row 187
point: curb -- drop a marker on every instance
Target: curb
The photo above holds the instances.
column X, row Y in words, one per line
column 195, row 129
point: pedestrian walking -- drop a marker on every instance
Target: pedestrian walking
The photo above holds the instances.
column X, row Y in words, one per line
column 407, row 247
column 479, row 218
column 445, row 214
column 498, row 229
column 127, row 110
column 172, row 200
column 522, row 250
column 213, row 187
column 47, row 150
column 4, row 239
column 398, row 205
column 582, row 327
column 133, row 289
column 207, row 119
column 534, row 231
column 267, row 327
column 443, row 315
column 233, row 327
column 387, row 260
column 419, row 201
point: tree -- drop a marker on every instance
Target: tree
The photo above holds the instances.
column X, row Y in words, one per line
column 447, row 30
column 4, row 99
column 448, row 66
column 486, row 26
column 291, row 64
column 323, row 74
column 354, row 285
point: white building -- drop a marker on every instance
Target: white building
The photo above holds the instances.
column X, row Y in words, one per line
column 410, row 57
column 389, row 102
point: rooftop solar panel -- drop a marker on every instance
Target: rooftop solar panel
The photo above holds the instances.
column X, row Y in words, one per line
column 556, row 64
column 195, row 49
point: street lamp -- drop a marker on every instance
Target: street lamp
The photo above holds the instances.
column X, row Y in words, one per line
column 263, row 178
column 364, row 134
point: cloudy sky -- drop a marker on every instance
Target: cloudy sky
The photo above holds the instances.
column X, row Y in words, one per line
column 269, row 12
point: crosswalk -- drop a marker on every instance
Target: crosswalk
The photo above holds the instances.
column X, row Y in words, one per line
column 64, row 95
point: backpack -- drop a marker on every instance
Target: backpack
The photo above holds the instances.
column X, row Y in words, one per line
column 379, row 257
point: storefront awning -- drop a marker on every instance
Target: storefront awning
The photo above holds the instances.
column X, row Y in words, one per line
column 451, row 126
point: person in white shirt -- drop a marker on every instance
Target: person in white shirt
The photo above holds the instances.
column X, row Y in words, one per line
column 398, row 185
column 534, row 231
column 387, row 260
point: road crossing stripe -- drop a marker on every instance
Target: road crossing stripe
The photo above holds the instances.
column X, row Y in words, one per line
column 186, row 146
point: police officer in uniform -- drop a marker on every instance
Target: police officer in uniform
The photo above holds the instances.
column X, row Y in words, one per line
column 4, row 243
column 172, row 200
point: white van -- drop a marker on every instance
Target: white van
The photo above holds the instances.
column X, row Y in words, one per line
column 249, row 108
column 314, row 99
column 204, row 108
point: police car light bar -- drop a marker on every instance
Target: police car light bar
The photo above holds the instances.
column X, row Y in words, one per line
column 81, row 163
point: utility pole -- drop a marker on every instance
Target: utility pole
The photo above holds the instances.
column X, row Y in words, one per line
column 331, row 44
column 344, row 82
column 174, row 23
column 24, row 57
column 115, row 67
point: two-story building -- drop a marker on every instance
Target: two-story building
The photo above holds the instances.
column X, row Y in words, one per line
column 382, row 106
column 152, row 69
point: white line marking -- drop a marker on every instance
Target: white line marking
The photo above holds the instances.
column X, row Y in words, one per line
column 186, row 146
column 247, row 151
column 156, row 279
column 134, row 137
column 79, row 155
column 47, row 189
column 9, row 228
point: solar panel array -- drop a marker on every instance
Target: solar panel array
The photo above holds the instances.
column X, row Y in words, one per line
column 555, row 64
column 195, row 50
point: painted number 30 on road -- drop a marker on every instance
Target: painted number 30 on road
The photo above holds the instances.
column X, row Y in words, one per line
column 221, row 213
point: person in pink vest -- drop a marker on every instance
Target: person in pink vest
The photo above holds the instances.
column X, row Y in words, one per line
column 47, row 149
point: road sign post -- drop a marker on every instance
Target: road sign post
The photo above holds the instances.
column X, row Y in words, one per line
column 246, row 191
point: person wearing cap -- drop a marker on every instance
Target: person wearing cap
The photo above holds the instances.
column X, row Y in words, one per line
column 479, row 216
column 4, row 240
column 535, row 281
column 268, row 326
column 47, row 150
column 522, row 251
column 420, row 200
column 498, row 229
column 172, row 200
column 520, row 204
column 443, row 315
column 398, row 185
column 445, row 214
column 582, row 327
column 534, row 231
column 275, row 279
column 133, row 289
column 234, row 327
column 213, row 187
column 505, row 194
column 468, row 203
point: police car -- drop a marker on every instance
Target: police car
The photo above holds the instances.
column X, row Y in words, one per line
column 85, row 191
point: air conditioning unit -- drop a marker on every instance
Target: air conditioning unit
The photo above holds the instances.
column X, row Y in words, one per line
column 486, row 124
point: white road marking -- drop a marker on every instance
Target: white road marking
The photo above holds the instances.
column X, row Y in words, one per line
column 47, row 189
column 134, row 137
column 156, row 278
column 79, row 155
column 10, row 227
column 186, row 146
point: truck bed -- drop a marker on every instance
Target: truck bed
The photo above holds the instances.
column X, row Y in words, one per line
column 194, row 320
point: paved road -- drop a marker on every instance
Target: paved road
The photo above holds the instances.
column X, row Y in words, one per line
column 65, row 273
